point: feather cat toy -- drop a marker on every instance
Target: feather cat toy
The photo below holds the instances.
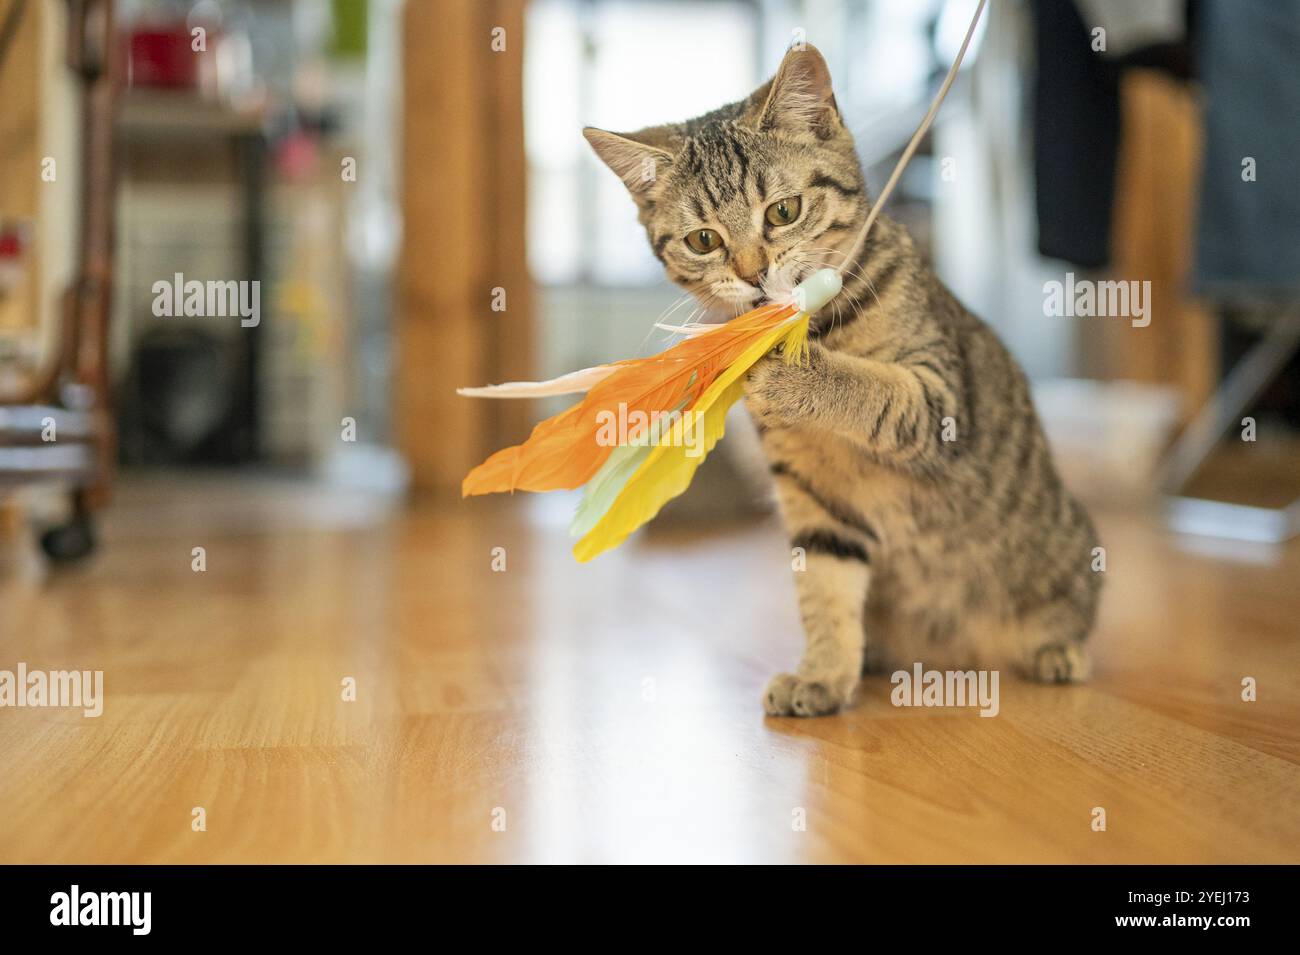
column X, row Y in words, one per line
column 690, row 386
column 674, row 404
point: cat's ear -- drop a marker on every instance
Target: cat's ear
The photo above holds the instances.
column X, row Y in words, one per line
column 639, row 158
column 799, row 98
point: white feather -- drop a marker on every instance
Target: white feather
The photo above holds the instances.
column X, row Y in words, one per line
column 574, row 383
column 690, row 331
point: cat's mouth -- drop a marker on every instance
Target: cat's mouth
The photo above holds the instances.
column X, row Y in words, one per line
column 741, row 296
column 741, row 304
column 748, row 297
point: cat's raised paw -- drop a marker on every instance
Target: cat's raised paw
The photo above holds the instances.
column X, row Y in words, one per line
column 789, row 695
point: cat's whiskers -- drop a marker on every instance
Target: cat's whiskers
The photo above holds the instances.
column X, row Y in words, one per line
column 837, row 316
column 701, row 309
column 736, row 306
column 689, row 296
column 853, row 270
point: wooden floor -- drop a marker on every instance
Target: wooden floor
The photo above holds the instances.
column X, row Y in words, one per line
column 607, row 712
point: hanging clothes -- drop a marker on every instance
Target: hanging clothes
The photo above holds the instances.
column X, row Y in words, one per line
column 1248, row 231
column 1076, row 110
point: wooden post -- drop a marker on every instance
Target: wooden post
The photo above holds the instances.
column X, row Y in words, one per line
column 20, row 160
column 1154, row 232
column 463, row 206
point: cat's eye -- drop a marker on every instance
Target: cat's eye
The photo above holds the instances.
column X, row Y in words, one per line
column 783, row 211
column 704, row 241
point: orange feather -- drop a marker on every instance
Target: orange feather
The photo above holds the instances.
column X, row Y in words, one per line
column 563, row 451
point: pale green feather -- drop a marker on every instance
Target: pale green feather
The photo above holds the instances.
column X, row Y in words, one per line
column 667, row 469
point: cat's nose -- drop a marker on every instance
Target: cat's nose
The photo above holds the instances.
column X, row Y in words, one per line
column 749, row 265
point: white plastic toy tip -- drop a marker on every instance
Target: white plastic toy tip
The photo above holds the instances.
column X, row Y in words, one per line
column 817, row 289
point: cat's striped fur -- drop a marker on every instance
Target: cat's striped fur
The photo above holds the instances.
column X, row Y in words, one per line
column 909, row 463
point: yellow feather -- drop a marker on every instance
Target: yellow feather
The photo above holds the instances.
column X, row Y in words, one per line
column 667, row 470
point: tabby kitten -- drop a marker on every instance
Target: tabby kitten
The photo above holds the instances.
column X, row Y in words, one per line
column 909, row 464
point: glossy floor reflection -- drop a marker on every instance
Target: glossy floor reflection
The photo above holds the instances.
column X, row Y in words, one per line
column 606, row 712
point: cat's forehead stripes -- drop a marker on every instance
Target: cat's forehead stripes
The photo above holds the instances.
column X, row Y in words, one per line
column 723, row 170
column 821, row 179
column 719, row 167
column 725, row 175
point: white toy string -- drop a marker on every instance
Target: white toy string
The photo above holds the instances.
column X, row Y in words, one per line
column 912, row 144
column 817, row 289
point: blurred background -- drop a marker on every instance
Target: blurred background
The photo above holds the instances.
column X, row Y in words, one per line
column 382, row 168
column 229, row 512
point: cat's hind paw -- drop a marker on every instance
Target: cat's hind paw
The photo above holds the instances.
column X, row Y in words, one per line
column 1060, row 663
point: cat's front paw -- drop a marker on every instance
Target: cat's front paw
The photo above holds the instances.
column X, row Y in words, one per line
column 763, row 388
column 789, row 695
column 780, row 392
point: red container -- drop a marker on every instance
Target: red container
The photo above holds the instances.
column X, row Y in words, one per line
column 162, row 57
column 11, row 245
